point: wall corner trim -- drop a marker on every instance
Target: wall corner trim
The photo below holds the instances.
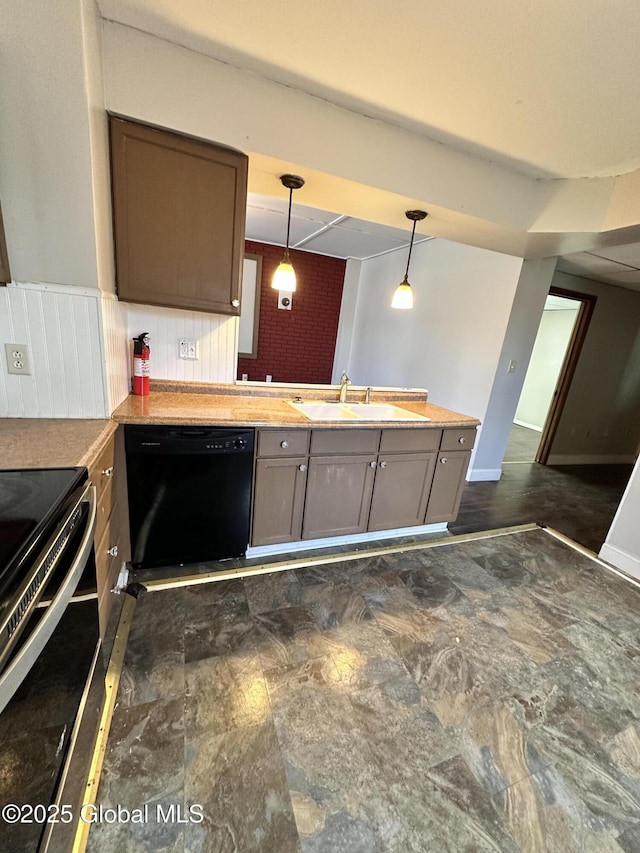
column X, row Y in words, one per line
column 476, row 475
column 627, row 563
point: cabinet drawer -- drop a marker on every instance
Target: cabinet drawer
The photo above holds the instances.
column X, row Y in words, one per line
column 103, row 513
column 283, row 442
column 334, row 441
column 410, row 440
column 458, row 439
column 102, row 472
column 107, row 563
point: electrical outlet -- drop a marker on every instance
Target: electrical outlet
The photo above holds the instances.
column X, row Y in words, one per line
column 188, row 349
column 18, row 359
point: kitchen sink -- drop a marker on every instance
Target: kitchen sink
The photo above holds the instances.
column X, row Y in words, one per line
column 321, row 410
column 384, row 412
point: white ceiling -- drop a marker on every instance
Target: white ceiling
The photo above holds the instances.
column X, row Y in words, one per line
column 619, row 265
column 339, row 236
column 320, row 231
column 549, row 88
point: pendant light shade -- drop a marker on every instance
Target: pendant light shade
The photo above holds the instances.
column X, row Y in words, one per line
column 403, row 297
column 284, row 277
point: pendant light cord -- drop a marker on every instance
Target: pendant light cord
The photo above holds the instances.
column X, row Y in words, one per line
column 406, row 275
column 286, row 253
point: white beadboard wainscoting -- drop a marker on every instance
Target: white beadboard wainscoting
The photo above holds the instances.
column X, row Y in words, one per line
column 80, row 345
column 216, row 336
column 62, row 328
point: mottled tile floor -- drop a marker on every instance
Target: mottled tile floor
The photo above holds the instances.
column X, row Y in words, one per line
column 476, row 696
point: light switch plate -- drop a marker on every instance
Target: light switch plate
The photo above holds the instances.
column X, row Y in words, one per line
column 18, row 359
column 188, row 349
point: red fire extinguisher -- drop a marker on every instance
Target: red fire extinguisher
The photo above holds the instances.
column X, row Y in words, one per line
column 141, row 364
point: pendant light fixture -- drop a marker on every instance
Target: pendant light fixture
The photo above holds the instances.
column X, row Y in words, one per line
column 403, row 297
column 284, row 278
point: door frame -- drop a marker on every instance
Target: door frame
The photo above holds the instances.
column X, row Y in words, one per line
column 568, row 369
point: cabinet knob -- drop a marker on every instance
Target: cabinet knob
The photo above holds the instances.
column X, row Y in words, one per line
column 372, row 464
column 284, row 444
column 235, row 302
column 113, row 552
column 443, row 460
column 462, row 440
column 383, row 464
column 108, row 472
column 302, row 467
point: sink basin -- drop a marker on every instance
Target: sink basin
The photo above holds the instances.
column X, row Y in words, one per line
column 321, row 410
column 384, row 412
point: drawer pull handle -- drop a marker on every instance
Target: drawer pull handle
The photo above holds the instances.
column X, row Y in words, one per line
column 462, row 440
column 302, row 467
column 372, row 464
column 443, row 460
column 235, row 302
column 284, row 444
column 113, row 552
column 383, row 464
column 108, row 472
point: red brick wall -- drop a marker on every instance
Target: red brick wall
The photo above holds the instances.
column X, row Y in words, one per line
column 297, row 345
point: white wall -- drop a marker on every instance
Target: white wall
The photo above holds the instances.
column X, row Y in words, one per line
column 450, row 342
column 601, row 418
column 348, row 305
column 547, row 357
column 45, row 154
column 516, row 345
column 622, row 545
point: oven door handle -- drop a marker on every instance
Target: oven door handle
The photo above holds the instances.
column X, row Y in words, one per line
column 18, row 669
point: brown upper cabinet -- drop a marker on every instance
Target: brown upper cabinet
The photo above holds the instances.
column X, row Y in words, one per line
column 5, row 274
column 179, row 209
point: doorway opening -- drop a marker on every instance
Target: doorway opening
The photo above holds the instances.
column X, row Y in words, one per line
column 560, row 337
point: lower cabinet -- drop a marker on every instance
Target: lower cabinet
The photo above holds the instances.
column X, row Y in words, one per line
column 401, row 490
column 112, row 543
column 448, row 483
column 278, row 500
column 338, row 495
column 356, row 480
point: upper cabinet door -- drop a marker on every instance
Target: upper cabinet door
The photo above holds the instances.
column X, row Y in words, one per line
column 179, row 210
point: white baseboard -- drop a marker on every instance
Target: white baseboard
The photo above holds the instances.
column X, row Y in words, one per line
column 328, row 542
column 476, row 475
column 528, row 426
column 627, row 563
column 591, row 459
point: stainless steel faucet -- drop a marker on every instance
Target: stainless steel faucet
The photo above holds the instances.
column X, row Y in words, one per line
column 344, row 386
column 367, row 396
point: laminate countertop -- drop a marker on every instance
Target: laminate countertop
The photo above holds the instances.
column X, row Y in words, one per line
column 70, row 442
column 165, row 407
column 52, row 442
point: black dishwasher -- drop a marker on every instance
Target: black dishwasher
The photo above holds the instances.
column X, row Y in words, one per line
column 189, row 493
